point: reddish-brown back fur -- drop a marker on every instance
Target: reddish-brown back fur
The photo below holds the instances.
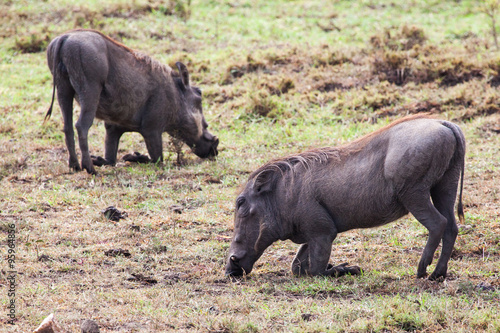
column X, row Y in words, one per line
column 322, row 155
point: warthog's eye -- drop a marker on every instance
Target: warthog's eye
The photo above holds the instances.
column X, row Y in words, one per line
column 240, row 201
column 197, row 90
column 241, row 206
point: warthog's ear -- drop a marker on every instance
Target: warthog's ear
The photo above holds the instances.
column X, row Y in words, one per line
column 264, row 181
column 183, row 72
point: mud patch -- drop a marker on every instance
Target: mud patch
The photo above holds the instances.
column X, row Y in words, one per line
column 145, row 280
column 117, row 253
column 113, row 214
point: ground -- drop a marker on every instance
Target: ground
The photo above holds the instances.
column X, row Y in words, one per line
column 278, row 77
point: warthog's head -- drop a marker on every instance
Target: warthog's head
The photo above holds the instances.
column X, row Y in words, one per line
column 193, row 126
column 255, row 227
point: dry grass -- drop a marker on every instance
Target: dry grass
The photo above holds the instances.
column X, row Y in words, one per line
column 264, row 98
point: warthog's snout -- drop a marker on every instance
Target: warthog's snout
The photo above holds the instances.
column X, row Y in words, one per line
column 233, row 267
column 206, row 146
column 213, row 150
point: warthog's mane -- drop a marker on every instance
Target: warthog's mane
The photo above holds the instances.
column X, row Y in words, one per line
column 153, row 64
column 275, row 169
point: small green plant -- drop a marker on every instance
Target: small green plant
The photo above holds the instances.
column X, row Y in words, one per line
column 182, row 8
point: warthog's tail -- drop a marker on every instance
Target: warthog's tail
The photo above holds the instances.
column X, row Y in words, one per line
column 49, row 112
column 459, row 156
column 461, row 151
column 460, row 208
column 53, row 55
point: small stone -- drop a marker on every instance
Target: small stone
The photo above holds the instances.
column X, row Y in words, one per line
column 89, row 326
column 177, row 209
column 48, row 325
column 44, row 257
column 307, row 316
column 485, row 287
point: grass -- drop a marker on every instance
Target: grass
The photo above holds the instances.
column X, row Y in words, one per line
column 278, row 77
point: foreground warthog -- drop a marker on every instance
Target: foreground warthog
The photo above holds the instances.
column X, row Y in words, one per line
column 129, row 91
column 311, row 197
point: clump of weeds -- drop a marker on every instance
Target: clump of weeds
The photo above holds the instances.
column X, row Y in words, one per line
column 403, row 39
column 32, row 42
column 250, row 65
column 262, row 103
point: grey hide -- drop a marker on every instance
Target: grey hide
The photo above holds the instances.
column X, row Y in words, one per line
column 129, row 91
column 311, row 197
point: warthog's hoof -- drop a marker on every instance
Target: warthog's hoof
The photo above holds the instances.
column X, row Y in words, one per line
column 342, row 269
column 136, row 158
column 98, row 161
column 437, row 277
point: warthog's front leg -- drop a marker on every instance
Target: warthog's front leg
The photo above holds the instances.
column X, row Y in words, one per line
column 113, row 135
column 300, row 264
column 312, row 259
column 154, row 145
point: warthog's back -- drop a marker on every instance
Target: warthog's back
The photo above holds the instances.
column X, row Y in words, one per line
column 127, row 78
column 362, row 183
column 368, row 186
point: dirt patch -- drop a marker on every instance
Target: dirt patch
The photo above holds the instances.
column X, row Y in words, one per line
column 331, row 86
column 400, row 68
column 117, row 253
column 145, row 280
column 405, row 38
column 113, row 214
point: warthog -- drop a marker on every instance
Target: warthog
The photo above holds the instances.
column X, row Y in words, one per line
column 311, row 197
column 129, row 91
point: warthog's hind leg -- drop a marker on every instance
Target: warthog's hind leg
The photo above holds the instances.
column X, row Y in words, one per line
column 429, row 216
column 89, row 99
column 65, row 95
column 443, row 198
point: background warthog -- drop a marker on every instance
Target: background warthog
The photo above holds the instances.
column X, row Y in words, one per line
column 130, row 91
column 311, row 197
